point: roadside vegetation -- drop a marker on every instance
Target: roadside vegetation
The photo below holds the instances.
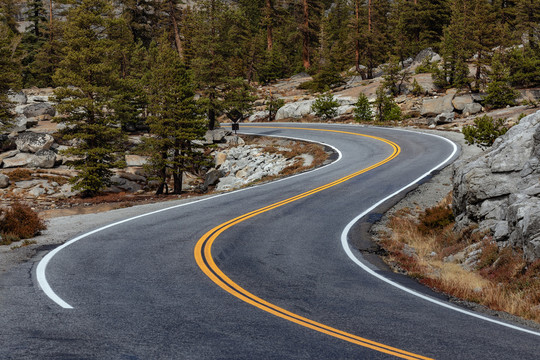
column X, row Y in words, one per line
column 19, row 222
column 468, row 265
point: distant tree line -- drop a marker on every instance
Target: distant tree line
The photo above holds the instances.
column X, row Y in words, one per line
column 123, row 65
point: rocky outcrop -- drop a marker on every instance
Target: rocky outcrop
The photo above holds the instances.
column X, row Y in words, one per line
column 39, row 109
column 500, row 190
column 246, row 164
column 33, row 142
column 298, row 109
column 438, row 105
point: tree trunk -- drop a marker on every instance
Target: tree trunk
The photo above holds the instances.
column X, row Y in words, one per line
column 211, row 113
column 269, row 26
column 305, row 45
column 369, row 15
column 357, row 41
column 50, row 21
column 177, row 40
column 162, row 177
column 178, row 168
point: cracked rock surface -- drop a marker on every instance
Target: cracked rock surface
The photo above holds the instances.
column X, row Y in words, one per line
column 500, row 189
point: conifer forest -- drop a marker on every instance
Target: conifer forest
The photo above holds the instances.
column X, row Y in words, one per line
column 176, row 67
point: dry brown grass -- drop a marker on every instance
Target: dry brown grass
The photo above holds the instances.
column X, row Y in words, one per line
column 20, row 175
column 500, row 280
column 19, row 222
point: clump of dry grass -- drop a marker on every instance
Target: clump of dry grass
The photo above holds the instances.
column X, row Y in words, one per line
column 20, row 175
column 501, row 279
column 19, row 222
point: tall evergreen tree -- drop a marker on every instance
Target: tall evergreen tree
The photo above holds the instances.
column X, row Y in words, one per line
column 9, row 72
column 175, row 119
column 336, row 45
column 8, row 14
column 375, row 39
column 33, row 40
column 528, row 16
column 309, row 26
column 484, row 37
column 89, row 75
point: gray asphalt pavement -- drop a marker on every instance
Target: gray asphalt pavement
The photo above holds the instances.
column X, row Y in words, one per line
column 138, row 293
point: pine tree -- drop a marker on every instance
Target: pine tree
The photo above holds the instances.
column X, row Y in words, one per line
column 499, row 91
column 336, row 47
column 309, row 26
column 33, row 40
column 456, row 47
column 211, row 63
column 143, row 18
column 485, row 36
column 528, row 16
column 8, row 14
column 9, row 72
column 427, row 21
column 175, row 120
column 89, row 75
column 375, row 39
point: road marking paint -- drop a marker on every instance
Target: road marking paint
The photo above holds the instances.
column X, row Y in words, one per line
column 204, row 258
column 42, row 265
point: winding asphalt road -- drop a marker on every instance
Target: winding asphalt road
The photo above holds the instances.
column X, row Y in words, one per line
column 262, row 273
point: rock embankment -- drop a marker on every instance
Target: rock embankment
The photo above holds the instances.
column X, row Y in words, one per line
column 500, row 190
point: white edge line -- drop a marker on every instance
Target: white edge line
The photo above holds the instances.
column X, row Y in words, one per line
column 42, row 265
column 354, row 258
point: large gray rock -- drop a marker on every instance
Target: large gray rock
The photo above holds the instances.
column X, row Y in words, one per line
column 17, row 97
column 301, row 108
column 43, row 159
column 216, row 136
column 444, row 118
column 471, row 109
column 428, row 54
column 211, row 178
column 436, row 106
column 39, row 109
column 4, row 181
column 295, row 109
column 33, row 142
column 500, row 190
column 19, row 160
column 460, row 102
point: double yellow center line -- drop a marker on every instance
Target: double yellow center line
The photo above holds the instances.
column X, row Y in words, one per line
column 204, row 258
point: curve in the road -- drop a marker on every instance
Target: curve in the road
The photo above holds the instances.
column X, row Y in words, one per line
column 204, row 258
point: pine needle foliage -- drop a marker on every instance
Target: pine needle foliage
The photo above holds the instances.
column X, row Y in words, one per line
column 362, row 109
column 484, row 132
column 89, row 75
column 175, row 119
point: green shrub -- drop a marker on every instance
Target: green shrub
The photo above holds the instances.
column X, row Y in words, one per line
column 524, row 67
column 325, row 106
column 484, row 131
column 417, row 90
column 362, row 109
column 426, row 67
column 395, row 79
column 273, row 104
column 19, row 222
column 328, row 78
column 499, row 92
column 499, row 95
column 387, row 109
